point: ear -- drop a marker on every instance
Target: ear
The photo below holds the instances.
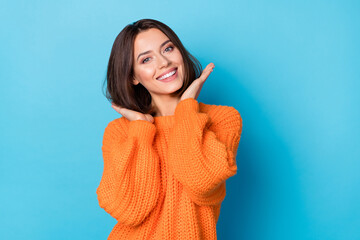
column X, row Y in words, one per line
column 135, row 81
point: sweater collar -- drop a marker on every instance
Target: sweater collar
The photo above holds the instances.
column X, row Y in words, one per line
column 164, row 121
column 168, row 121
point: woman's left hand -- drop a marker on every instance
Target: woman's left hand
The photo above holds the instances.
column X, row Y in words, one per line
column 193, row 90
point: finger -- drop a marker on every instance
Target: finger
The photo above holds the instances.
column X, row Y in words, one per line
column 149, row 118
column 116, row 108
column 129, row 114
column 206, row 72
column 210, row 66
column 208, row 69
column 199, row 89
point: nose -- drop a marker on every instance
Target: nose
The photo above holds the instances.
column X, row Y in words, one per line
column 163, row 61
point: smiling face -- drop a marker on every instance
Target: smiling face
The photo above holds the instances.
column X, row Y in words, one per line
column 158, row 65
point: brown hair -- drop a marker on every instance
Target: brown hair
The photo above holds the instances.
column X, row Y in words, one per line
column 120, row 88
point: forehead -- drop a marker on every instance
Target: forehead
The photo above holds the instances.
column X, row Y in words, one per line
column 149, row 40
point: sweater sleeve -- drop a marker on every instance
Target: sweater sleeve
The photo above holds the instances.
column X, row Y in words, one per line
column 202, row 151
column 130, row 184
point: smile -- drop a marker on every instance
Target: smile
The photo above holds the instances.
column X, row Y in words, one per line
column 169, row 76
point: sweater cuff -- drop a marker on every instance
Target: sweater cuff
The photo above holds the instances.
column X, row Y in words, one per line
column 187, row 112
column 187, row 106
column 144, row 131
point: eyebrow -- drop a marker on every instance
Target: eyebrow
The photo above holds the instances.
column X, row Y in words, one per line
column 150, row 50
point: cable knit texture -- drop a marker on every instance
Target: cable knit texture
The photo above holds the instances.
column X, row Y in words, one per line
column 166, row 180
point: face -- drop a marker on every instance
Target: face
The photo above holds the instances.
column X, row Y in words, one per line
column 155, row 56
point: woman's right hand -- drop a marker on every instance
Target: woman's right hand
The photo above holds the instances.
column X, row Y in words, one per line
column 132, row 115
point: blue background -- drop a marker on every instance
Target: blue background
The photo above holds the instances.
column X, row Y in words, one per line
column 291, row 69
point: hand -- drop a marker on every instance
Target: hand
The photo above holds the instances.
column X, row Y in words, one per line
column 193, row 90
column 132, row 115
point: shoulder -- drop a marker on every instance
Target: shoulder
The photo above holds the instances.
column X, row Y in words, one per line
column 117, row 126
column 122, row 121
column 222, row 115
column 115, row 131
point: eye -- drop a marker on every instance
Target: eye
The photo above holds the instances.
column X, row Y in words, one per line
column 143, row 61
column 170, row 46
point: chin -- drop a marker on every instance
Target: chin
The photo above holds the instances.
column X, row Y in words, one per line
column 179, row 86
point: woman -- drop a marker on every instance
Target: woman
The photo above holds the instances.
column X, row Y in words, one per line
column 167, row 158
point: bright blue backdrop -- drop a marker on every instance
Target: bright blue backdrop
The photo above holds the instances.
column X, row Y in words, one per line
column 291, row 68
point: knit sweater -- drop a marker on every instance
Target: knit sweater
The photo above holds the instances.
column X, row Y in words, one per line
column 166, row 180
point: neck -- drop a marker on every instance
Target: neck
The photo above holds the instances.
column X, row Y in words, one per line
column 165, row 105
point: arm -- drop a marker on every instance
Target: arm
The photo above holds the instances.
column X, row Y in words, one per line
column 130, row 184
column 203, row 157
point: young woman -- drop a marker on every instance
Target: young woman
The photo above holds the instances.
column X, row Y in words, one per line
column 167, row 158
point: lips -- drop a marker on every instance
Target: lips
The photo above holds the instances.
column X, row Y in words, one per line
column 172, row 69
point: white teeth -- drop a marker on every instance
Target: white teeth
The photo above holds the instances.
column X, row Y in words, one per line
column 167, row 75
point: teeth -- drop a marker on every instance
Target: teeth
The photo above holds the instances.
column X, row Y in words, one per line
column 167, row 75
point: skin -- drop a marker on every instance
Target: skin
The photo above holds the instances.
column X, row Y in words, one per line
column 151, row 65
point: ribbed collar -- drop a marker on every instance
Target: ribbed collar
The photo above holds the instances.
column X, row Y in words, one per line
column 164, row 121
column 168, row 121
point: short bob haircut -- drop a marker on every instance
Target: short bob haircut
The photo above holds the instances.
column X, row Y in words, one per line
column 120, row 88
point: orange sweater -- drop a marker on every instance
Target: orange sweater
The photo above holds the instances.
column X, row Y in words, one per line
column 166, row 180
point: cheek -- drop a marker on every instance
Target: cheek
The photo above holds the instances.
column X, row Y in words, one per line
column 179, row 57
column 146, row 73
column 179, row 60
